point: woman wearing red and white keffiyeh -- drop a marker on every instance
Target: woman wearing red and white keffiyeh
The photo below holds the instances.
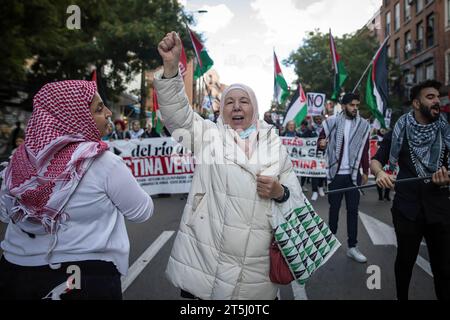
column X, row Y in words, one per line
column 65, row 197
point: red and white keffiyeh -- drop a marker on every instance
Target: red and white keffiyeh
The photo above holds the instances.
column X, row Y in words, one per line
column 61, row 143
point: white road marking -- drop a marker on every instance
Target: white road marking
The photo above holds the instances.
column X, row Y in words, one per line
column 145, row 258
column 379, row 232
column 383, row 234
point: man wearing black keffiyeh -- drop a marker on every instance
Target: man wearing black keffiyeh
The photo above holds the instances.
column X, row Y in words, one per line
column 420, row 144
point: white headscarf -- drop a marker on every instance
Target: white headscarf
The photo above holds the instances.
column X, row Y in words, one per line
column 251, row 95
column 247, row 145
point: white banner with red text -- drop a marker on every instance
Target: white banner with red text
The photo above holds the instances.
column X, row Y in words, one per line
column 160, row 165
column 307, row 161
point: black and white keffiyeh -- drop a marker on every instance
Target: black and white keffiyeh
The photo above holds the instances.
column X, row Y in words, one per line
column 427, row 143
column 334, row 130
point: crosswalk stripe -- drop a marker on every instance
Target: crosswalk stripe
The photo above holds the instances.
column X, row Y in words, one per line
column 145, row 258
column 381, row 233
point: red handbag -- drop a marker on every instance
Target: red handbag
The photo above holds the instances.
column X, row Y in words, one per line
column 279, row 270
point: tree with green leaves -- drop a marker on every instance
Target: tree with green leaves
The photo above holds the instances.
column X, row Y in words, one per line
column 120, row 36
column 128, row 39
column 312, row 60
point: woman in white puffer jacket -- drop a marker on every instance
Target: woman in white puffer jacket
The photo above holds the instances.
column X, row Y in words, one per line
column 221, row 250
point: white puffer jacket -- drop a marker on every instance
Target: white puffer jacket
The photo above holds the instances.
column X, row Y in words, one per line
column 221, row 250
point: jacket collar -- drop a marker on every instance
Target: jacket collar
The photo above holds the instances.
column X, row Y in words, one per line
column 265, row 156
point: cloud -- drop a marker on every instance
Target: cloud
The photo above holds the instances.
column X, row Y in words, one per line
column 288, row 21
column 216, row 18
column 241, row 37
column 303, row 4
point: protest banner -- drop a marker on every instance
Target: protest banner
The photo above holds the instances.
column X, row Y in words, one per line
column 316, row 104
column 306, row 160
column 160, row 165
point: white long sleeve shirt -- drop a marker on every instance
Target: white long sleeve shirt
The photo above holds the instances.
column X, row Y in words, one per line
column 345, row 163
column 96, row 230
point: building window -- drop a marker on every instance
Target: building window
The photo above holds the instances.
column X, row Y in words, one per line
column 388, row 24
column 397, row 51
column 420, row 36
column 397, row 16
column 419, row 6
column 389, row 53
column 447, row 67
column 408, row 45
column 430, row 30
column 429, row 71
column 420, row 73
column 407, row 9
column 408, row 80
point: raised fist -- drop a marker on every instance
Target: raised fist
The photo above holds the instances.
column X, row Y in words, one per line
column 170, row 49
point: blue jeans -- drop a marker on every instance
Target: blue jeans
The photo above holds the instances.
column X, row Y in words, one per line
column 352, row 203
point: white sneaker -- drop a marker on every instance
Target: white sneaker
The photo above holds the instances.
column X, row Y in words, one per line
column 314, row 196
column 321, row 192
column 356, row 255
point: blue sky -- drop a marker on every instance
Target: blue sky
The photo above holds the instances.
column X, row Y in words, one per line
column 240, row 35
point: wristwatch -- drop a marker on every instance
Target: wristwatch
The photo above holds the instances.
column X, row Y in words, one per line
column 285, row 197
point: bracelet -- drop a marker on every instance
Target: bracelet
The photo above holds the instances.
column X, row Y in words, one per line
column 285, row 197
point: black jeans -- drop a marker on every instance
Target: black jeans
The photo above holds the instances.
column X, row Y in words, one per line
column 409, row 237
column 352, row 203
column 386, row 193
column 99, row 280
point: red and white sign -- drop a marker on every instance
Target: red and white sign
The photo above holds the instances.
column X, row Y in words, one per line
column 160, row 165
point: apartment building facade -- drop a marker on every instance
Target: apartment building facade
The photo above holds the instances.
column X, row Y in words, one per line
column 419, row 42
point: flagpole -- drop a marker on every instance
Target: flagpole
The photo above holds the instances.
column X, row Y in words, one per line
column 370, row 63
column 415, row 179
column 362, row 77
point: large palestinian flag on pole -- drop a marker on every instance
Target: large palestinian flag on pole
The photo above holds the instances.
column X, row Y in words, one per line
column 204, row 62
column 340, row 74
column 377, row 85
column 280, row 89
column 298, row 109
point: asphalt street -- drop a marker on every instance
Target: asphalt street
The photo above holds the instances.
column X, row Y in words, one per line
column 339, row 279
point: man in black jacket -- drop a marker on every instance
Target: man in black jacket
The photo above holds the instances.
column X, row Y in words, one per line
column 420, row 144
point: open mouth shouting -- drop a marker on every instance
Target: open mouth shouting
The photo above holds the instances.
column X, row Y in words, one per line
column 238, row 120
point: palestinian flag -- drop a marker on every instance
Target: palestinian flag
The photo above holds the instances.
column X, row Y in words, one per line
column 377, row 85
column 100, row 88
column 94, row 75
column 156, row 114
column 280, row 88
column 204, row 62
column 298, row 109
column 183, row 62
column 340, row 74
